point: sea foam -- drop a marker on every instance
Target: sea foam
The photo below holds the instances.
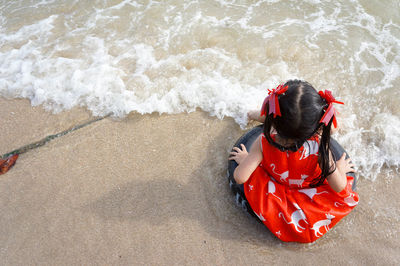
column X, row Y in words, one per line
column 217, row 56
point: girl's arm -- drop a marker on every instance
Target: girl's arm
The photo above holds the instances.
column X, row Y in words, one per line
column 248, row 162
column 338, row 179
column 255, row 115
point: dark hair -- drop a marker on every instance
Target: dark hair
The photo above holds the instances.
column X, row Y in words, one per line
column 301, row 110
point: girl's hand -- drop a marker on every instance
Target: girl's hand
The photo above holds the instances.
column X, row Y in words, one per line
column 345, row 165
column 255, row 115
column 338, row 180
column 248, row 162
column 238, row 154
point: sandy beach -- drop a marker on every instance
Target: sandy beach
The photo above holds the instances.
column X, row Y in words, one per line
column 140, row 188
column 152, row 190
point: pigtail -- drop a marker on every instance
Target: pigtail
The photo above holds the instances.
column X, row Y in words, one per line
column 267, row 124
column 324, row 155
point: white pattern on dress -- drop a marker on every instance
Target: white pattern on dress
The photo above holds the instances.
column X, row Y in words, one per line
column 310, row 147
column 260, row 217
column 271, row 189
column 311, row 192
column 296, row 217
column 298, row 182
column 348, row 200
column 283, row 176
column 337, row 204
column 322, row 223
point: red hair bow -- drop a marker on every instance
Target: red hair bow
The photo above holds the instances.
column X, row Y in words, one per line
column 330, row 111
column 273, row 102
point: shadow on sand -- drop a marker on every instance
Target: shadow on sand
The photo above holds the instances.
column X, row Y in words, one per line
column 203, row 196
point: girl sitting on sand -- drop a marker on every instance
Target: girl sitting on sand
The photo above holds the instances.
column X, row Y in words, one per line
column 292, row 181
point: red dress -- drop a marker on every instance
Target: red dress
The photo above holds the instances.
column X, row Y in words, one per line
column 279, row 193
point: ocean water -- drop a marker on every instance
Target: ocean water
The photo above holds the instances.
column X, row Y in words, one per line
column 218, row 56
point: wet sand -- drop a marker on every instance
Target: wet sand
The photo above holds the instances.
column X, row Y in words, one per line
column 152, row 189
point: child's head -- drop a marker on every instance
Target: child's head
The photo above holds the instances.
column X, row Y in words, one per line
column 301, row 108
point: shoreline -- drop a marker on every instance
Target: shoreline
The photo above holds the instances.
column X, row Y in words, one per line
column 152, row 189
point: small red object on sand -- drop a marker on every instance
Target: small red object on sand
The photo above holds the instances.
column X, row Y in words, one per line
column 7, row 163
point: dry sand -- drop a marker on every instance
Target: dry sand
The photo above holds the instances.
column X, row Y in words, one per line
column 152, row 190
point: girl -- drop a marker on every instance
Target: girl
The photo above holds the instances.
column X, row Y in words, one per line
column 292, row 180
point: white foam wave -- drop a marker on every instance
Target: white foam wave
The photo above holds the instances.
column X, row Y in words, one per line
column 219, row 56
column 375, row 149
